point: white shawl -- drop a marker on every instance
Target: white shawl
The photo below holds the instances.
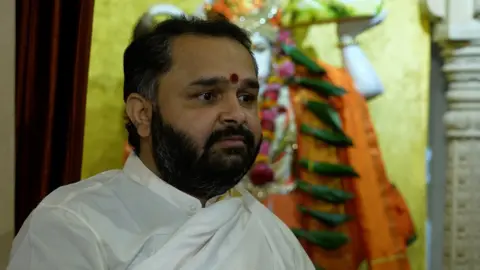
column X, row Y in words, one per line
column 234, row 234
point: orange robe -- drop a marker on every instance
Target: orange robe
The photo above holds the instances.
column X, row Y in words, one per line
column 381, row 226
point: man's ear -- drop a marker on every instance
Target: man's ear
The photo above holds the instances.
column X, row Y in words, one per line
column 139, row 111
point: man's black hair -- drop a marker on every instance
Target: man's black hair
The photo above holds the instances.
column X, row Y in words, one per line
column 149, row 55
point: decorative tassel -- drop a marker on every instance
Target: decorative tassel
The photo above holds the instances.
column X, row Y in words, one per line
column 327, row 136
column 301, row 59
column 324, row 239
column 261, row 174
column 328, row 169
column 322, row 88
column 324, row 193
column 325, row 113
column 330, row 219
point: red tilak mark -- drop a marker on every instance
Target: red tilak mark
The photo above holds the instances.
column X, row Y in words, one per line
column 234, row 78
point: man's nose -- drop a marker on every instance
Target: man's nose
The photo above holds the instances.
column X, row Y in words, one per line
column 232, row 111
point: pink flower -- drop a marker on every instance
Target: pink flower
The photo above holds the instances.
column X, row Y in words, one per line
column 273, row 87
column 271, row 94
column 269, row 115
column 267, row 125
column 284, row 36
column 286, row 69
column 265, row 147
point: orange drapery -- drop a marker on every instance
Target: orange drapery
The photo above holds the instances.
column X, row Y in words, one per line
column 376, row 202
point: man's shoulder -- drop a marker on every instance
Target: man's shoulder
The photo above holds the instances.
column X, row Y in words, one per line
column 62, row 222
column 70, row 196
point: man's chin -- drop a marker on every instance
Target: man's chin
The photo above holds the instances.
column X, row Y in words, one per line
column 229, row 161
column 226, row 153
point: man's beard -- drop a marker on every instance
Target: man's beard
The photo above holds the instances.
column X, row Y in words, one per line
column 202, row 173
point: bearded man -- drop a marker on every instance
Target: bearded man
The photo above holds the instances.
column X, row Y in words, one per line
column 190, row 91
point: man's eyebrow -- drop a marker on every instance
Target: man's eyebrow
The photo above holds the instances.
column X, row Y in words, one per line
column 212, row 81
column 248, row 83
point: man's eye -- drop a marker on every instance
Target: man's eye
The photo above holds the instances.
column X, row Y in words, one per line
column 208, row 96
column 247, row 98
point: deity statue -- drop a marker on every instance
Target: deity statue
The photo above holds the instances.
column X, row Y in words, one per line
column 320, row 168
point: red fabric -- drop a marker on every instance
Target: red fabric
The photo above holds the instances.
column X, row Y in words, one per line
column 53, row 48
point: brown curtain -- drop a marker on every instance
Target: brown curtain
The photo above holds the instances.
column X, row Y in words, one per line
column 53, row 48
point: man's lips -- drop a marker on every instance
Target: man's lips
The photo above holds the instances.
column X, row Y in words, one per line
column 232, row 141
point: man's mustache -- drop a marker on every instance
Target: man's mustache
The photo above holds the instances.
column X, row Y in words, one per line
column 231, row 131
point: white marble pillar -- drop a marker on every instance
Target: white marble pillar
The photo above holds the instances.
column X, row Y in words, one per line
column 457, row 31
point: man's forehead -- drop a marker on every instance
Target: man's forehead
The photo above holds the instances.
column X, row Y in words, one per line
column 203, row 56
column 205, row 48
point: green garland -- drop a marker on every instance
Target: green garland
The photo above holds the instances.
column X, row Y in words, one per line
column 328, row 240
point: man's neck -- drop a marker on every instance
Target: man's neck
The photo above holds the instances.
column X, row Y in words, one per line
column 149, row 162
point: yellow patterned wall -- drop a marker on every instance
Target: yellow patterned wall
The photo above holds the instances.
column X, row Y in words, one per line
column 398, row 49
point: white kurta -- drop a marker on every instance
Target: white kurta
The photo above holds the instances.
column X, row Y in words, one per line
column 130, row 219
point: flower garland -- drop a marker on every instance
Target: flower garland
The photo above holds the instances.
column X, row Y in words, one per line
column 283, row 68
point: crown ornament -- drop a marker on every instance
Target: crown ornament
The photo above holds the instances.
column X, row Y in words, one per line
column 262, row 15
column 255, row 16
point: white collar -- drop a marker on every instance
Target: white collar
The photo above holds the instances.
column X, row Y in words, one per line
column 138, row 172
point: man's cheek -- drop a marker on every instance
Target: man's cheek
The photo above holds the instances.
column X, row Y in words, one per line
column 257, row 132
column 256, row 127
column 198, row 136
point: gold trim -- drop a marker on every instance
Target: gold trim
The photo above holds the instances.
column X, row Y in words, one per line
column 388, row 259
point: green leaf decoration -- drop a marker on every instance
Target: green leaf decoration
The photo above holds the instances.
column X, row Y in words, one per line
column 324, row 239
column 301, row 59
column 325, row 113
column 328, row 169
column 330, row 219
column 411, row 240
column 324, row 193
column 330, row 137
column 340, row 9
column 318, row 267
column 322, row 88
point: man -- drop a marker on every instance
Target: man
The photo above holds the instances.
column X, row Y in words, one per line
column 190, row 91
